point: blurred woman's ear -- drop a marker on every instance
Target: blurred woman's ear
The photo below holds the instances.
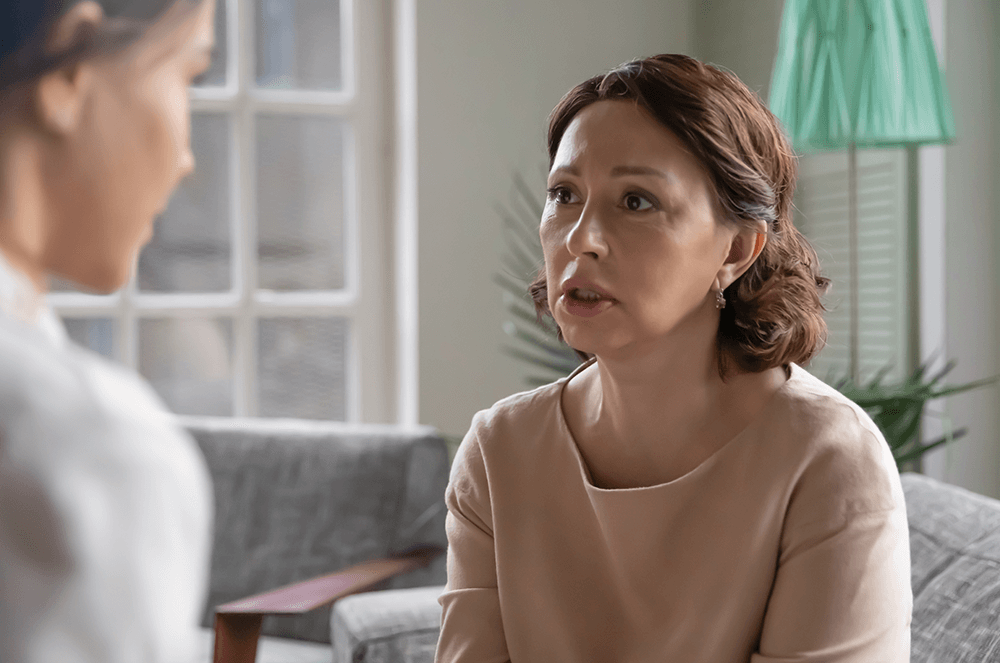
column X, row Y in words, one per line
column 59, row 94
column 82, row 16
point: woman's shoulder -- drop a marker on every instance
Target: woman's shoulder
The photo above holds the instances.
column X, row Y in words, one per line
column 519, row 413
column 838, row 455
column 34, row 370
column 822, row 414
column 62, row 394
column 512, row 426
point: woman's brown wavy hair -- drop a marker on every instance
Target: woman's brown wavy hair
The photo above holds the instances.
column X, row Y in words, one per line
column 773, row 314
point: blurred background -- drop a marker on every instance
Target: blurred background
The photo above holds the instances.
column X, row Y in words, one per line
column 334, row 255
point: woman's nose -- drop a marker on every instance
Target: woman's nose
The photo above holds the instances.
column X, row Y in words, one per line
column 586, row 236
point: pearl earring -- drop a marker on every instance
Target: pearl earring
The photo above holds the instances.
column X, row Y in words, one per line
column 720, row 299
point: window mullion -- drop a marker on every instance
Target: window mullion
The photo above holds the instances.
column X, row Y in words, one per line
column 244, row 232
column 128, row 322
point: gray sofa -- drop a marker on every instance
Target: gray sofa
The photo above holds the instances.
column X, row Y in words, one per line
column 296, row 499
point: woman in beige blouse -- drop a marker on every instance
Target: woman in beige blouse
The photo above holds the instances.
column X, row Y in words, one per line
column 689, row 493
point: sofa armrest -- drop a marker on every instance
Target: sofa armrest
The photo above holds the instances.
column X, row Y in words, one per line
column 237, row 623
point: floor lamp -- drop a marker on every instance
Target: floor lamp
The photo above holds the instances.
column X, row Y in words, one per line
column 853, row 74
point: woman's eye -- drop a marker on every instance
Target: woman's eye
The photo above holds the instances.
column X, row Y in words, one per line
column 561, row 195
column 636, row 203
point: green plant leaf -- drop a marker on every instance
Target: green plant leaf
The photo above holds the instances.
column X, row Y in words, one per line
column 957, row 389
column 921, row 450
column 554, row 349
column 517, row 239
column 558, row 367
column 522, row 312
column 508, row 283
column 527, row 197
column 898, row 408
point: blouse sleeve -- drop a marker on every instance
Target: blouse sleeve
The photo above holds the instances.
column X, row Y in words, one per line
column 842, row 590
column 472, row 627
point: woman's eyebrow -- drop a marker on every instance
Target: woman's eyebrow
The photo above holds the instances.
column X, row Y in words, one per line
column 619, row 171
column 567, row 169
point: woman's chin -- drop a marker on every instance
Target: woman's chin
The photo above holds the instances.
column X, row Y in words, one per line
column 99, row 280
column 584, row 343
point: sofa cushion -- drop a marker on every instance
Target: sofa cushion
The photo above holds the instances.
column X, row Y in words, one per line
column 955, row 567
column 273, row 650
column 397, row 626
column 295, row 499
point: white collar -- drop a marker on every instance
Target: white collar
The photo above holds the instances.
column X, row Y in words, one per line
column 19, row 299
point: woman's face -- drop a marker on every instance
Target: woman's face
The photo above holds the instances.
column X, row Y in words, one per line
column 128, row 150
column 631, row 234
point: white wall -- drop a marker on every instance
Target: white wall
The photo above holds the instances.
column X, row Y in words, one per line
column 488, row 73
column 972, row 281
column 740, row 36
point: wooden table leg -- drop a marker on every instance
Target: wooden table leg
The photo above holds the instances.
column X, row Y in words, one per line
column 236, row 637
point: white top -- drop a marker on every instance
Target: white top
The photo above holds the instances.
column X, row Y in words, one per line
column 790, row 543
column 105, row 504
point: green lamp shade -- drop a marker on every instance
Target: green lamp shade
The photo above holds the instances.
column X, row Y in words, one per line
column 859, row 71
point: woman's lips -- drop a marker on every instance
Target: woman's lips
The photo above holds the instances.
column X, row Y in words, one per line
column 585, row 308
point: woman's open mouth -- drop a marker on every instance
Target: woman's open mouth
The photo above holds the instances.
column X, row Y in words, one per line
column 585, row 303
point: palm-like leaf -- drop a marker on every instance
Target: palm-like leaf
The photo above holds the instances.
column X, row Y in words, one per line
column 898, row 408
column 533, row 340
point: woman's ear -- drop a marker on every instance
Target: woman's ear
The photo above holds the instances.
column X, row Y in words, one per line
column 745, row 247
column 59, row 94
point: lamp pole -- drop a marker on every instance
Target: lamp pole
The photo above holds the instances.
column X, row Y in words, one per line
column 852, row 239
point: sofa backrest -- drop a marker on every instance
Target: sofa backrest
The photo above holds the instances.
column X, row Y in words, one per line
column 955, row 572
column 295, row 499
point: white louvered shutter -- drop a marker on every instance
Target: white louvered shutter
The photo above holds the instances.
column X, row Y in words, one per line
column 821, row 214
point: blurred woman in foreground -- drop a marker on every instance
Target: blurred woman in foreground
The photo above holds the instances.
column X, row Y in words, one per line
column 105, row 504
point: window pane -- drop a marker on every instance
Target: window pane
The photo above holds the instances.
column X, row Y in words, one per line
column 298, row 44
column 189, row 363
column 300, row 203
column 190, row 249
column 97, row 334
column 215, row 76
column 301, row 364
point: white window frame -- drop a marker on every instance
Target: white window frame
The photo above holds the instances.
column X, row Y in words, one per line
column 376, row 350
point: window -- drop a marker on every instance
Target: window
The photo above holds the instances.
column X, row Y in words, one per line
column 821, row 214
column 264, row 291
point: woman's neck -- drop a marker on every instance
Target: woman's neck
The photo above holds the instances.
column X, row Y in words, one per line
column 665, row 408
column 641, row 397
column 22, row 209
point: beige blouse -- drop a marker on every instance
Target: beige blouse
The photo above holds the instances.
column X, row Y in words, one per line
column 789, row 544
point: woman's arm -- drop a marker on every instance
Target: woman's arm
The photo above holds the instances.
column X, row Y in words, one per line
column 842, row 589
column 472, row 626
